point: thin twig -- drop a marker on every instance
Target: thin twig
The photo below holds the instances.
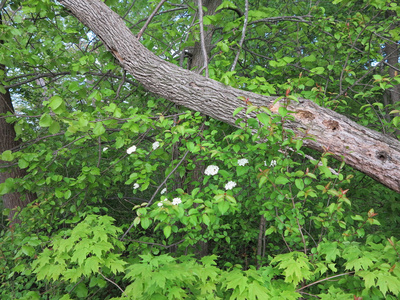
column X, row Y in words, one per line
column 246, row 19
column 3, row 2
column 160, row 13
column 325, row 279
column 155, row 193
column 156, row 244
column 58, row 74
column 98, row 161
column 202, row 40
column 150, row 18
column 121, row 84
column 166, row 178
column 129, row 9
column 109, row 280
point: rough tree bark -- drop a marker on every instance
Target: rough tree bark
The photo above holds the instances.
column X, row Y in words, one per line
column 7, row 138
column 8, row 142
column 371, row 152
column 391, row 50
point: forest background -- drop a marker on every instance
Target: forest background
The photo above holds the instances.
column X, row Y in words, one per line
column 112, row 191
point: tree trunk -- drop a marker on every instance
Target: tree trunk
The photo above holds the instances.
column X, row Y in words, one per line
column 197, row 62
column 392, row 57
column 261, row 242
column 7, row 137
column 371, row 152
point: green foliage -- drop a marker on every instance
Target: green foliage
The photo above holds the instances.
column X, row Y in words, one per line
column 140, row 199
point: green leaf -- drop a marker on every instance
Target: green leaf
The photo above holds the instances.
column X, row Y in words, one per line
column 223, row 46
column 145, row 222
column 167, row 231
column 28, row 250
column 98, row 129
column 299, row 184
column 236, row 280
column 387, row 282
column 223, row 207
column 81, row 290
column 264, row 118
column 55, row 102
column 317, row 70
column 22, row 163
column 7, row 155
column 67, row 194
column 45, row 120
column 237, row 110
column 241, row 170
column 281, row 180
column 257, row 291
column 54, row 127
column 282, row 111
column 6, row 186
column 206, row 219
column 295, row 266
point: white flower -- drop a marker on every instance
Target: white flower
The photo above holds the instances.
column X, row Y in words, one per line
column 230, row 185
column 211, row 170
column 243, row 161
column 273, row 163
column 161, row 204
column 130, row 150
column 105, row 149
column 265, row 163
column 156, row 145
column 163, row 191
column 135, row 186
column 176, row 201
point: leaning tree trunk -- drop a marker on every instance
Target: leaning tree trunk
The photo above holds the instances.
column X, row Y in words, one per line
column 371, row 152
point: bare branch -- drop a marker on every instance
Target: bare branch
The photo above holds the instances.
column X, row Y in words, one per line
column 246, row 18
column 150, row 18
column 202, row 42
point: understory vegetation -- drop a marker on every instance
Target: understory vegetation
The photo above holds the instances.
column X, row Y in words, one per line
column 139, row 198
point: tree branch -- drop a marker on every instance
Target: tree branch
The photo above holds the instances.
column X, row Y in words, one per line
column 369, row 151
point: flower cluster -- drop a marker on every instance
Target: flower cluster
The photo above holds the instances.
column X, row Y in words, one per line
column 156, row 145
column 230, row 185
column 211, row 170
column 163, row 191
column 105, row 149
column 176, row 201
column 272, row 164
column 135, row 186
column 161, row 204
column 130, row 150
column 243, row 161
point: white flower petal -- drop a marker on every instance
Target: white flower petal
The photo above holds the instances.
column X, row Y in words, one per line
column 156, row 145
column 243, row 161
column 176, row 201
column 230, row 185
column 211, row 170
column 130, row 150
